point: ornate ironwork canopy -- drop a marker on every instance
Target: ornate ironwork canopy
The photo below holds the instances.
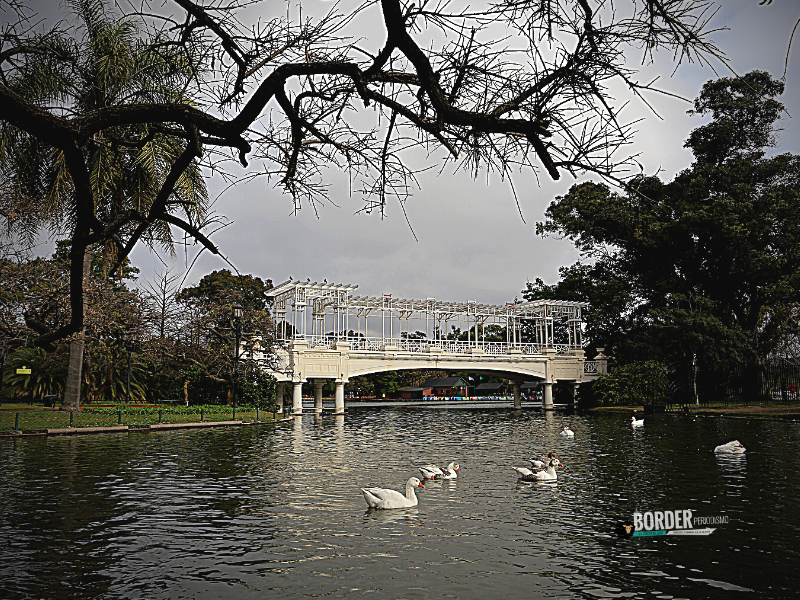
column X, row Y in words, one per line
column 334, row 308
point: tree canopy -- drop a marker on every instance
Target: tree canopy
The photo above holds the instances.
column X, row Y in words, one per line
column 90, row 187
column 506, row 85
column 209, row 337
column 706, row 266
column 174, row 336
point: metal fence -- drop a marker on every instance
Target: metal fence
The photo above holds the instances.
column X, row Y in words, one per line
column 774, row 381
column 42, row 420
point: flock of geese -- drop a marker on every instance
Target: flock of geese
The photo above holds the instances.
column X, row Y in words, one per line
column 541, row 469
column 386, row 498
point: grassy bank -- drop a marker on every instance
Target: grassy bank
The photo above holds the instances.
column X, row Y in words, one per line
column 763, row 411
column 616, row 409
column 41, row 419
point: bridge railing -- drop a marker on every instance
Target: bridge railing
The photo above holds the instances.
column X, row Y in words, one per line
column 423, row 345
column 321, row 341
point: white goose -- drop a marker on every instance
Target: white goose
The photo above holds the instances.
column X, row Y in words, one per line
column 451, row 471
column 384, row 498
column 637, row 422
column 567, row 432
column 548, row 474
column 733, row 447
column 542, row 461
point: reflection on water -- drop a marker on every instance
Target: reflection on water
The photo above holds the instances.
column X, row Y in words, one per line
column 278, row 512
column 407, row 515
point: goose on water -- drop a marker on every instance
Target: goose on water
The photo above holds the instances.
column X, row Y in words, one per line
column 451, row 471
column 636, row 422
column 541, row 462
column 733, row 447
column 567, row 432
column 548, row 474
column 384, row 498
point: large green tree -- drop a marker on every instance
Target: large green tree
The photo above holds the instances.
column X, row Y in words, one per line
column 36, row 296
column 208, row 340
column 90, row 190
column 699, row 269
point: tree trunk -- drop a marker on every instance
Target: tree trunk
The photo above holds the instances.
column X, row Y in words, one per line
column 2, row 375
column 72, row 390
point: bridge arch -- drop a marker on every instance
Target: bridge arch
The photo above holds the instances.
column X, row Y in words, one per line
column 543, row 338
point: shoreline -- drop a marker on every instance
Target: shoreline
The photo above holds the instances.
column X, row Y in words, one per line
column 751, row 411
column 61, row 431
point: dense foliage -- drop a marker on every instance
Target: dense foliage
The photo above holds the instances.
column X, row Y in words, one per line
column 701, row 272
column 640, row 382
column 179, row 341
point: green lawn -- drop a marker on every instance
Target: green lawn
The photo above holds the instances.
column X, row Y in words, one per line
column 45, row 418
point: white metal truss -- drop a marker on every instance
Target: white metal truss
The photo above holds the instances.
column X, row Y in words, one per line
column 336, row 315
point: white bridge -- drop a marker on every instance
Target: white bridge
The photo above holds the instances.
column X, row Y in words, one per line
column 326, row 332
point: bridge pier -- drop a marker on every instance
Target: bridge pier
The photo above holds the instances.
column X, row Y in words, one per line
column 547, row 403
column 297, row 398
column 517, row 394
column 339, row 401
column 318, row 383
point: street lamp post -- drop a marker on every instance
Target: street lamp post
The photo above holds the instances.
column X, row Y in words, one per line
column 237, row 324
column 129, row 340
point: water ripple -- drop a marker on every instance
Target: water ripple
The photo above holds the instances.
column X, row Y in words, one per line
column 240, row 513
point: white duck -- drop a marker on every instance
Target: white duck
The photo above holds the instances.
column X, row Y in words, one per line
column 637, row 422
column 567, row 432
column 383, row 498
column 542, row 461
column 733, row 447
column 548, row 474
column 451, row 471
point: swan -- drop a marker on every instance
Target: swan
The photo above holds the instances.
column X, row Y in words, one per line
column 734, row 447
column 383, row 498
column 542, row 461
column 637, row 422
column 567, row 432
column 548, row 474
column 451, row 471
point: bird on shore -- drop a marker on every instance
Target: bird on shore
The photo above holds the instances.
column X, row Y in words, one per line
column 384, row 498
column 541, row 462
column 451, row 471
column 637, row 422
column 548, row 474
column 567, row 432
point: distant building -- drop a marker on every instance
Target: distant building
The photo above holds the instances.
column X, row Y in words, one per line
column 414, row 393
column 447, row 386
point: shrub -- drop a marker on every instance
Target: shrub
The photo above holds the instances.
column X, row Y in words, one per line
column 643, row 382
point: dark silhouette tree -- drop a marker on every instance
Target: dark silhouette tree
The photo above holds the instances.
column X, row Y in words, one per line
column 703, row 269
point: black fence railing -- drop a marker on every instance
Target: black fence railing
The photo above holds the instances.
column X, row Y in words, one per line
column 774, row 381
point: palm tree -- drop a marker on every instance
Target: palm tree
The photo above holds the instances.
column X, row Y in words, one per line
column 102, row 62
column 47, row 373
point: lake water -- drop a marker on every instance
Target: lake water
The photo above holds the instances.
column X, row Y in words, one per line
column 277, row 512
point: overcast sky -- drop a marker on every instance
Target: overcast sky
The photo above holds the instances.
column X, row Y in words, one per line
column 472, row 243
